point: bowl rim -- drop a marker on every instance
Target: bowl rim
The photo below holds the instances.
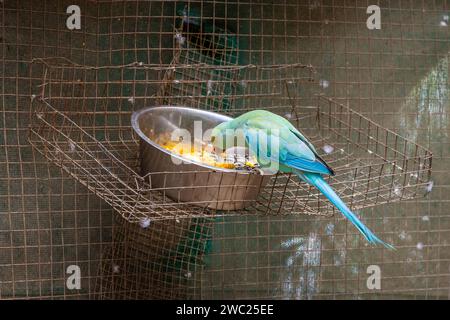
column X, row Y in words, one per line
column 135, row 124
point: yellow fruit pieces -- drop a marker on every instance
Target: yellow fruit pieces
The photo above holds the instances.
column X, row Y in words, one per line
column 200, row 154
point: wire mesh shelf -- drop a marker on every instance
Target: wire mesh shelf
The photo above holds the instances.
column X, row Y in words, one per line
column 80, row 122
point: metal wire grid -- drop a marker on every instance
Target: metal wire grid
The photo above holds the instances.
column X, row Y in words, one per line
column 78, row 126
column 163, row 262
column 44, row 227
column 372, row 71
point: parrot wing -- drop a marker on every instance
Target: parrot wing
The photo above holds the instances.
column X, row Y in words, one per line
column 262, row 117
column 294, row 152
column 309, row 166
column 301, row 137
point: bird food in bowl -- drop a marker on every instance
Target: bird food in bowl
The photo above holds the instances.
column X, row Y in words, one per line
column 175, row 152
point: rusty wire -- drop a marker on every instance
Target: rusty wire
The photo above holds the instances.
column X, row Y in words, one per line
column 373, row 165
column 128, row 50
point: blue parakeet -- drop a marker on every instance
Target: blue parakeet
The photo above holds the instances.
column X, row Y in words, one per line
column 274, row 139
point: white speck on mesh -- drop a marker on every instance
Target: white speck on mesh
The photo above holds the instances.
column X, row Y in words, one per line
column 144, row 223
column 116, row 268
column 324, row 83
column 329, row 229
column 425, row 218
column 419, row 246
column 397, row 191
column 131, row 100
column 443, row 23
column 71, row 146
column 180, row 39
column 429, row 186
column 328, row 149
column 209, row 87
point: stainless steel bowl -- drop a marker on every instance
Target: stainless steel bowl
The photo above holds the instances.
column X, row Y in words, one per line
column 188, row 180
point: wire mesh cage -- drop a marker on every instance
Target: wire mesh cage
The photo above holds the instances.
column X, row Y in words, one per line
column 163, row 262
column 81, row 122
column 396, row 76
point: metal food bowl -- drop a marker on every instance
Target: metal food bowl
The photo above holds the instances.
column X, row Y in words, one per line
column 186, row 180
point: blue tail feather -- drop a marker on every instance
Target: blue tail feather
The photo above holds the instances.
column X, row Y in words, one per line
column 317, row 181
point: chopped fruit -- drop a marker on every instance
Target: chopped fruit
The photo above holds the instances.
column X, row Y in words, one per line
column 250, row 164
column 200, row 154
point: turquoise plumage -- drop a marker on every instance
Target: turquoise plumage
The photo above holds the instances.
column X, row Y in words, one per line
column 273, row 138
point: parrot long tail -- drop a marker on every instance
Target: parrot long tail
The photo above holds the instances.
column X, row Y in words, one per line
column 317, row 181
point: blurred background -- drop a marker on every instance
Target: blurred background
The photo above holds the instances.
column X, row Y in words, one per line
column 398, row 76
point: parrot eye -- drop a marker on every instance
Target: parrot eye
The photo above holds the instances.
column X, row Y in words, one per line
column 213, row 138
